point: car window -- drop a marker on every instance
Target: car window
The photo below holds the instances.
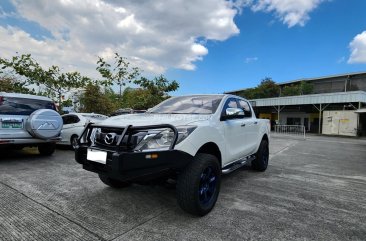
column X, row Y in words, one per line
column 66, row 119
column 23, row 106
column 245, row 106
column 200, row 104
column 74, row 119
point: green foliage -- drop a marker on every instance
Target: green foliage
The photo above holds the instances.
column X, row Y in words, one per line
column 302, row 88
column 306, row 88
column 10, row 84
column 291, row 90
column 151, row 93
column 67, row 103
column 120, row 73
column 266, row 89
column 94, row 100
column 52, row 79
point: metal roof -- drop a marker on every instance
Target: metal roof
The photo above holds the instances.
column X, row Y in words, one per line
column 303, row 79
column 325, row 98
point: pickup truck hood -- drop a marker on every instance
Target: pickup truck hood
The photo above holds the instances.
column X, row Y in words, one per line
column 146, row 119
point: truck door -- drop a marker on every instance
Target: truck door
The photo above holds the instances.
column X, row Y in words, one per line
column 251, row 129
column 234, row 132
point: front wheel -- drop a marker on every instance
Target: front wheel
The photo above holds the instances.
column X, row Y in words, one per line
column 198, row 186
column 261, row 158
column 74, row 141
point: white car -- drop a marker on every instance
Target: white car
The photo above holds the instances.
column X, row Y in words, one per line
column 192, row 139
column 74, row 124
column 29, row 121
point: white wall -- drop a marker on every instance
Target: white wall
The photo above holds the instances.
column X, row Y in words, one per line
column 340, row 123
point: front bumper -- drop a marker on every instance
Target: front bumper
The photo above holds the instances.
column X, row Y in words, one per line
column 135, row 166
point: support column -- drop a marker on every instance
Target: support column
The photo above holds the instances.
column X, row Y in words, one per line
column 320, row 116
column 278, row 114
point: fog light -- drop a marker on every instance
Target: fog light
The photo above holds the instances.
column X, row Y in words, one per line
column 151, row 156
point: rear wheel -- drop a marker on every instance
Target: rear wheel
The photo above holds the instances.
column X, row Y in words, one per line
column 262, row 156
column 113, row 182
column 47, row 149
column 198, row 185
column 74, row 141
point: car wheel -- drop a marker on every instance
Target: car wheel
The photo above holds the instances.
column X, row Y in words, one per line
column 113, row 182
column 47, row 149
column 74, row 141
column 198, row 186
column 262, row 156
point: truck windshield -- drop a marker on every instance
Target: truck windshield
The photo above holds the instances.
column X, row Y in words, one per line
column 201, row 104
column 22, row 106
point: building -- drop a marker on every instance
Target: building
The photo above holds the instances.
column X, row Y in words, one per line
column 335, row 105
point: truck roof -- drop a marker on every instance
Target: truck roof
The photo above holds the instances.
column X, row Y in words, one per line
column 25, row 96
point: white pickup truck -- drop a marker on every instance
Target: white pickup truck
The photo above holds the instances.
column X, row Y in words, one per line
column 191, row 139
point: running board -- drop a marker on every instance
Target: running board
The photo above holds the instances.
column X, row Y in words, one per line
column 239, row 163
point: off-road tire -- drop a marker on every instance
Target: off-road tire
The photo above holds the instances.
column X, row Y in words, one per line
column 47, row 149
column 113, row 182
column 189, row 185
column 74, row 141
column 261, row 158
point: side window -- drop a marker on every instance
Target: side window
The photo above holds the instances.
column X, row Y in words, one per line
column 74, row 119
column 245, row 106
column 66, row 119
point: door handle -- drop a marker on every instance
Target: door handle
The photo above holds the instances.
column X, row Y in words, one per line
column 255, row 122
column 242, row 125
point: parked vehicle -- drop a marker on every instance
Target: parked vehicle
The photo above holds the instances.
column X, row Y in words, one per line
column 192, row 139
column 74, row 125
column 29, row 120
column 125, row 111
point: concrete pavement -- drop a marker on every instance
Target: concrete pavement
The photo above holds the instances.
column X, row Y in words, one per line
column 314, row 189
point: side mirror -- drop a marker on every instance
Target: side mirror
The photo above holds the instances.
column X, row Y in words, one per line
column 232, row 113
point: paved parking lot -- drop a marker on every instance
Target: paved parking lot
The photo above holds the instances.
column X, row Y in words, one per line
column 312, row 190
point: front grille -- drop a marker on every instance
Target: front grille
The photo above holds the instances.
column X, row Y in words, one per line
column 108, row 137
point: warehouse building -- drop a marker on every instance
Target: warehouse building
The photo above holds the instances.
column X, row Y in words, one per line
column 336, row 106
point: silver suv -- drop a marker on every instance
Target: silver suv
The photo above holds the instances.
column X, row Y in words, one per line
column 29, row 120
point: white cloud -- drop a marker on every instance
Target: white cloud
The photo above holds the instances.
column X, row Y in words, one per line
column 290, row 12
column 155, row 35
column 358, row 49
column 250, row 59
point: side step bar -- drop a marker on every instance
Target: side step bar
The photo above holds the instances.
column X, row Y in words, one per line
column 239, row 163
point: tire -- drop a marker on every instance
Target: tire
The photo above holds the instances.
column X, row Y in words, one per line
column 47, row 149
column 198, row 186
column 74, row 141
column 113, row 182
column 262, row 156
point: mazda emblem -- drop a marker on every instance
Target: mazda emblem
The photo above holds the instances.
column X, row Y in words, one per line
column 109, row 138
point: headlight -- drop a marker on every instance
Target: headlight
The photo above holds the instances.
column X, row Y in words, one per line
column 161, row 139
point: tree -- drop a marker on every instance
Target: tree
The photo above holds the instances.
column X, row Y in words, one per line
column 10, row 84
column 302, row 88
column 150, row 93
column 266, row 89
column 94, row 100
column 306, row 88
column 120, row 73
column 291, row 90
column 55, row 82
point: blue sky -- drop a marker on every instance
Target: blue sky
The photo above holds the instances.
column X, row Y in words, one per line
column 209, row 46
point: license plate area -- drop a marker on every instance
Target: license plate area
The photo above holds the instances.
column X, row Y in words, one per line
column 96, row 156
column 12, row 125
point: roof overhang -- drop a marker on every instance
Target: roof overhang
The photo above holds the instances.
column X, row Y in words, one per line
column 326, row 98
